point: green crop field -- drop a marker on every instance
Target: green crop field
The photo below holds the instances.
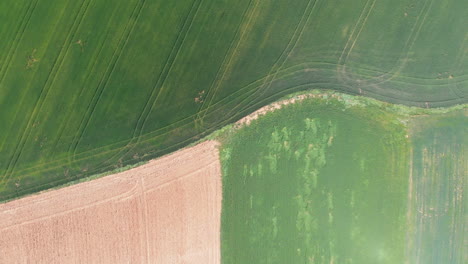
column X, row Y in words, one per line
column 345, row 180
column 439, row 179
column 89, row 86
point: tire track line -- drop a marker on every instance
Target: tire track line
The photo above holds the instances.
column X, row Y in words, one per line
column 14, row 47
column 408, row 46
column 43, row 95
column 107, row 168
column 352, row 38
column 222, row 102
column 135, row 189
column 457, row 77
column 136, row 12
column 245, row 32
column 460, row 58
column 223, row 122
column 70, row 109
column 129, row 193
column 403, row 59
column 154, row 131
column 181, row 177
column 85, row 153
column 17, row 40
column 59, row 60
column 227, row 57
column 286, row 53
column 165, row 72
column 245, row 87
column 144, row 239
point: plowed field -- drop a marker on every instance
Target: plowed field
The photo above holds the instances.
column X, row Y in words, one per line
column 167, row 211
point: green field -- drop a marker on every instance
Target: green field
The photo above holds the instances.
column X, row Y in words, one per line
column 440, row 204
column 316, row 183
column 346, row 181
column 88, row 86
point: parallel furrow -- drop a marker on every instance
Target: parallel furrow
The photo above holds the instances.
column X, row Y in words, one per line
column 100, row 88
column 44, row 92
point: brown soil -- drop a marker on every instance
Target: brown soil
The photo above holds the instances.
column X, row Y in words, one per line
column 167, row 211
column 278, row 105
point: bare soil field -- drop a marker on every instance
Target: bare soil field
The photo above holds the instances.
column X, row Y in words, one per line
column 166, row 211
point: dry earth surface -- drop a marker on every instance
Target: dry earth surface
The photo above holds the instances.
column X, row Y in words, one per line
column 278, row 105
column 167, row 211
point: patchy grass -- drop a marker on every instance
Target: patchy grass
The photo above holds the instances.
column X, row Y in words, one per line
column 345, row 179
column 318, row 181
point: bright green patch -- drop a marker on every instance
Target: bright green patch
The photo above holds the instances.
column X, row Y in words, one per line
column 316, row 182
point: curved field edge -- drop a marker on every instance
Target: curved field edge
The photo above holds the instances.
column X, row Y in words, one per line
column 166, row 211
column 428, row 153
column 86, row 87
column 404, row 112
column 275, row 205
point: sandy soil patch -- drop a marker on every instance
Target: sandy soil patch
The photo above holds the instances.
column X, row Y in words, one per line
column 278, row 105
column 167, row 211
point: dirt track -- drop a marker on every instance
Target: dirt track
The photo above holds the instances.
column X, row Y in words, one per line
column 167, row 211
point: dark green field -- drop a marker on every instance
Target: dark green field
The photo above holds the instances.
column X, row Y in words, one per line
column 88, row 86
column 346, row 181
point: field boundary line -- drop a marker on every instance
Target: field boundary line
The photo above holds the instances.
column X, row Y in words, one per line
column 180, row 177
column 108, row 167
column 144, row 115
column 180, row 158
column 245, row 30
column 191, row 116
column 135, row 190
column 167, row 127
column 221, row 123
column 284, row 56
column 172, row 63
column 229, row 53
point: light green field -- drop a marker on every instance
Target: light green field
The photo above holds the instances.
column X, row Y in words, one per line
column 439, row 204
column 88, row 86
column 345, row 181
